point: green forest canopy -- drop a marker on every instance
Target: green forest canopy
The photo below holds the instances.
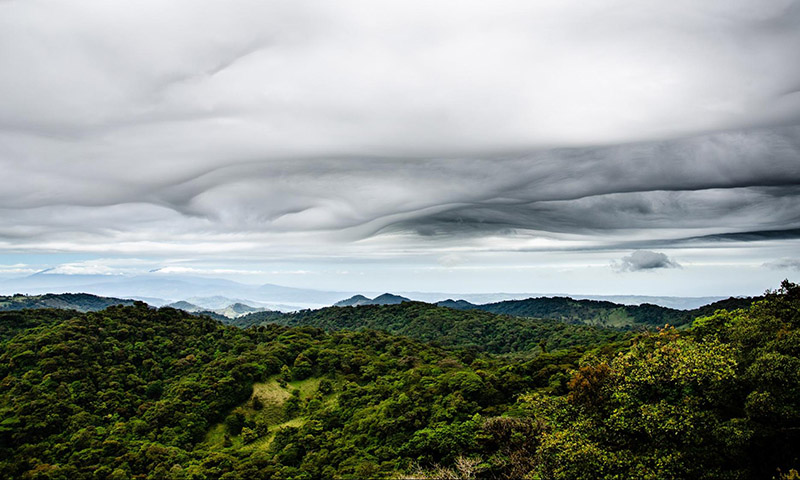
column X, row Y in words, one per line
column 133, row 392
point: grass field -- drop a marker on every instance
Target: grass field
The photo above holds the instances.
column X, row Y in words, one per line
column 273, row 397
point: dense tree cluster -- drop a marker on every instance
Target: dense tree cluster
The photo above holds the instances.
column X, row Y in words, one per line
column 139, row 393
column 133, row 391
column 82, row 302
column 603, row 313
column 447, row 327
column 719, row 401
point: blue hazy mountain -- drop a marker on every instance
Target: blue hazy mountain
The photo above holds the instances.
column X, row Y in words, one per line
column 158, row 288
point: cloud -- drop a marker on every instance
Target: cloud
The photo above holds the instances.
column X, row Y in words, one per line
column 82, row 268
column 784, row 264
column 410, row 77
column 708, row 185
column 644, row 260
column 17, row 269
column 271, row 130
column 451, row 260
column 182, row 270
column 99, row 266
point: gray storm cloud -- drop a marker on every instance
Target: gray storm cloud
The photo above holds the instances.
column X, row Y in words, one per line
column 644, row 260
column 269, row 124
column 784, row 264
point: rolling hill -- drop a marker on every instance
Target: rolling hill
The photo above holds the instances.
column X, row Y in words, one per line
column 384, row 299
column 138, row 392
column 444, row 326
column 600, row 313
column 82, row 302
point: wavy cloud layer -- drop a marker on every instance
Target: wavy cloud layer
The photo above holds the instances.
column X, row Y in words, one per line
column 362, row 130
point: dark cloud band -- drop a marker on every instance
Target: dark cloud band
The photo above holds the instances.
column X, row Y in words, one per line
column 275, row 123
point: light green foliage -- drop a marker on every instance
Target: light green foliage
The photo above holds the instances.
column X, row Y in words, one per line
column 720, row 401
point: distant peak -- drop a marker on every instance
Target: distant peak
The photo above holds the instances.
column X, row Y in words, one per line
column 43, row 272
column 385, row 299
column 389, row 299
column 456, row 304
column 353, row 301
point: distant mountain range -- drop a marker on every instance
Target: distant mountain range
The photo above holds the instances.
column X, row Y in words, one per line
column 161, row 289
column 221, row 296
column 213, row 294
column 231, row 311
column 385, row 299
column 562, row 309
column 86, row 302
column 678, row 303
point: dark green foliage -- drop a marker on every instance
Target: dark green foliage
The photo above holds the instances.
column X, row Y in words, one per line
column 252, row 319
column 14, row 322
column 82, row 302
column 125, row 374
column 234, row 423
column 729, row 304
column 212, row 315
column 594, row 312
column 447, row 327
column 133, row 392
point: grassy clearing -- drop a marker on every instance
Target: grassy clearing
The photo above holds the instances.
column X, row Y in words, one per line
column 273, row 397
column 215, row 436
column 263, row 443
column 270, row 391
column 307, row 387
column 619, row 318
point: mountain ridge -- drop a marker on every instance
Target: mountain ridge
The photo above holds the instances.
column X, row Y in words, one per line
column 383, row 299
column 564, row 309
column 491, row 332
column 163, row 288
column 82, row 302
column 599, row 312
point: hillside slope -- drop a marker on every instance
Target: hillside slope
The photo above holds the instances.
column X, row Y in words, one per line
column 447, row 327
column 600, row 313
column 134, row 392
column 82, row 302
column 140, row 393
column 383, row 299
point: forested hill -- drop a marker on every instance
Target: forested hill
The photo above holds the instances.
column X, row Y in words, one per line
column 564, row 309
column 601, row 313
column 82, row 302
column 14, row 322
column 141, row 393
column 447, row 327
column 135, row 392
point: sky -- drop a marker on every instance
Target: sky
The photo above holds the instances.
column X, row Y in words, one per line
column 605, row 147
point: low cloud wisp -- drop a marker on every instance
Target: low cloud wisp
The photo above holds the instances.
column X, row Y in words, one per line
column 643, row 260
